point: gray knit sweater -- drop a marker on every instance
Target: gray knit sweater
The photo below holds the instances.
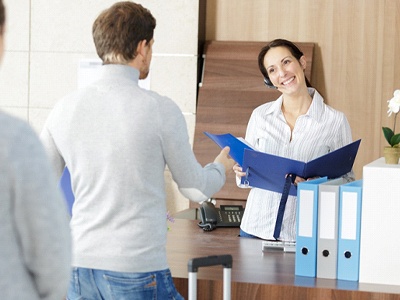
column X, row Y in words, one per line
column 116, row 140
column 35, row 246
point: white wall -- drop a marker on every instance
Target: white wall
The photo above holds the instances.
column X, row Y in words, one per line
column 45, row 40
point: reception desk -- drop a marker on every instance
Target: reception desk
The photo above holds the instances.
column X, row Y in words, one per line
column 255, row 274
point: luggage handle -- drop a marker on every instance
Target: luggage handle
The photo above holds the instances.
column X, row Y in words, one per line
column 214, row 260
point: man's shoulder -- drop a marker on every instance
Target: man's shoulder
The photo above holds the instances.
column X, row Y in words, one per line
column 162, row 102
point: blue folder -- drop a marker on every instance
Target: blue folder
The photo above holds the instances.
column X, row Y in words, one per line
column 306, row 227
column 267, row 171
column 350, row 204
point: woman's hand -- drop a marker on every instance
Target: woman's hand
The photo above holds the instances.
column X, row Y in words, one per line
column 300, row 179
column 238, row 171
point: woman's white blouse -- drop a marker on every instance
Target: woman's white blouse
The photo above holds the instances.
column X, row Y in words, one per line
column 321, row 130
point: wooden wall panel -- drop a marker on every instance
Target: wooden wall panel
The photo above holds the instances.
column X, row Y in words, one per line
column 356, row 63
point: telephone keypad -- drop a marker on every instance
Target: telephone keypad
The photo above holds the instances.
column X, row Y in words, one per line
column 231, row 217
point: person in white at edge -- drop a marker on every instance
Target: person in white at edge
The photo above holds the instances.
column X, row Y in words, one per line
column 35, row 240
column 116, row 140
column 298, row 125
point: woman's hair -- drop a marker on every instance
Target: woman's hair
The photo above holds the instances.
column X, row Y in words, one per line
column 118, row 30
column 279, row 43
column 2, row 16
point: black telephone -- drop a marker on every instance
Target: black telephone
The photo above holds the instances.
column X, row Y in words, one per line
column 225, row 216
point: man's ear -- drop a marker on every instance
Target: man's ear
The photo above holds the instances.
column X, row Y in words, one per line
column 141, row 48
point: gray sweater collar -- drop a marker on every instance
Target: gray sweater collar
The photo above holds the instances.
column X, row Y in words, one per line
column 114, row 70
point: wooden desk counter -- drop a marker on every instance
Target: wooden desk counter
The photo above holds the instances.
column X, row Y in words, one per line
column 255, row 274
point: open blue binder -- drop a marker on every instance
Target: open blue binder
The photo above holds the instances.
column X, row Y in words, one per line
column 267, row 171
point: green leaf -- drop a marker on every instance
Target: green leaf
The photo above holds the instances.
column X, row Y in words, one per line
column 388, row 133
column 395, row 140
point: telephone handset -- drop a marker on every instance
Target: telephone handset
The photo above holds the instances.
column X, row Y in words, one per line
column 225, row 216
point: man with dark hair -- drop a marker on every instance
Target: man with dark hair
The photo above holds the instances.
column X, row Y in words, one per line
column 116, row 140
column 35, row 242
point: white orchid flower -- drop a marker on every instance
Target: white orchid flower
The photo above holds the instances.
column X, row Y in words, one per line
column 394, row 107
column 394, row 103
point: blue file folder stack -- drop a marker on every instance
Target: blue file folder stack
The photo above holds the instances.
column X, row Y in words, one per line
column 319, row 202
column 328, row 229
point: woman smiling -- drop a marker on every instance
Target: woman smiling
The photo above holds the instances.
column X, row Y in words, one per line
column 298, row 125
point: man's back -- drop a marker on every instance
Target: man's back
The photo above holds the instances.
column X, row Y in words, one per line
column 116, row 140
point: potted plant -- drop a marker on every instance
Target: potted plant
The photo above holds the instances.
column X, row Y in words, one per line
column 392, row 152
